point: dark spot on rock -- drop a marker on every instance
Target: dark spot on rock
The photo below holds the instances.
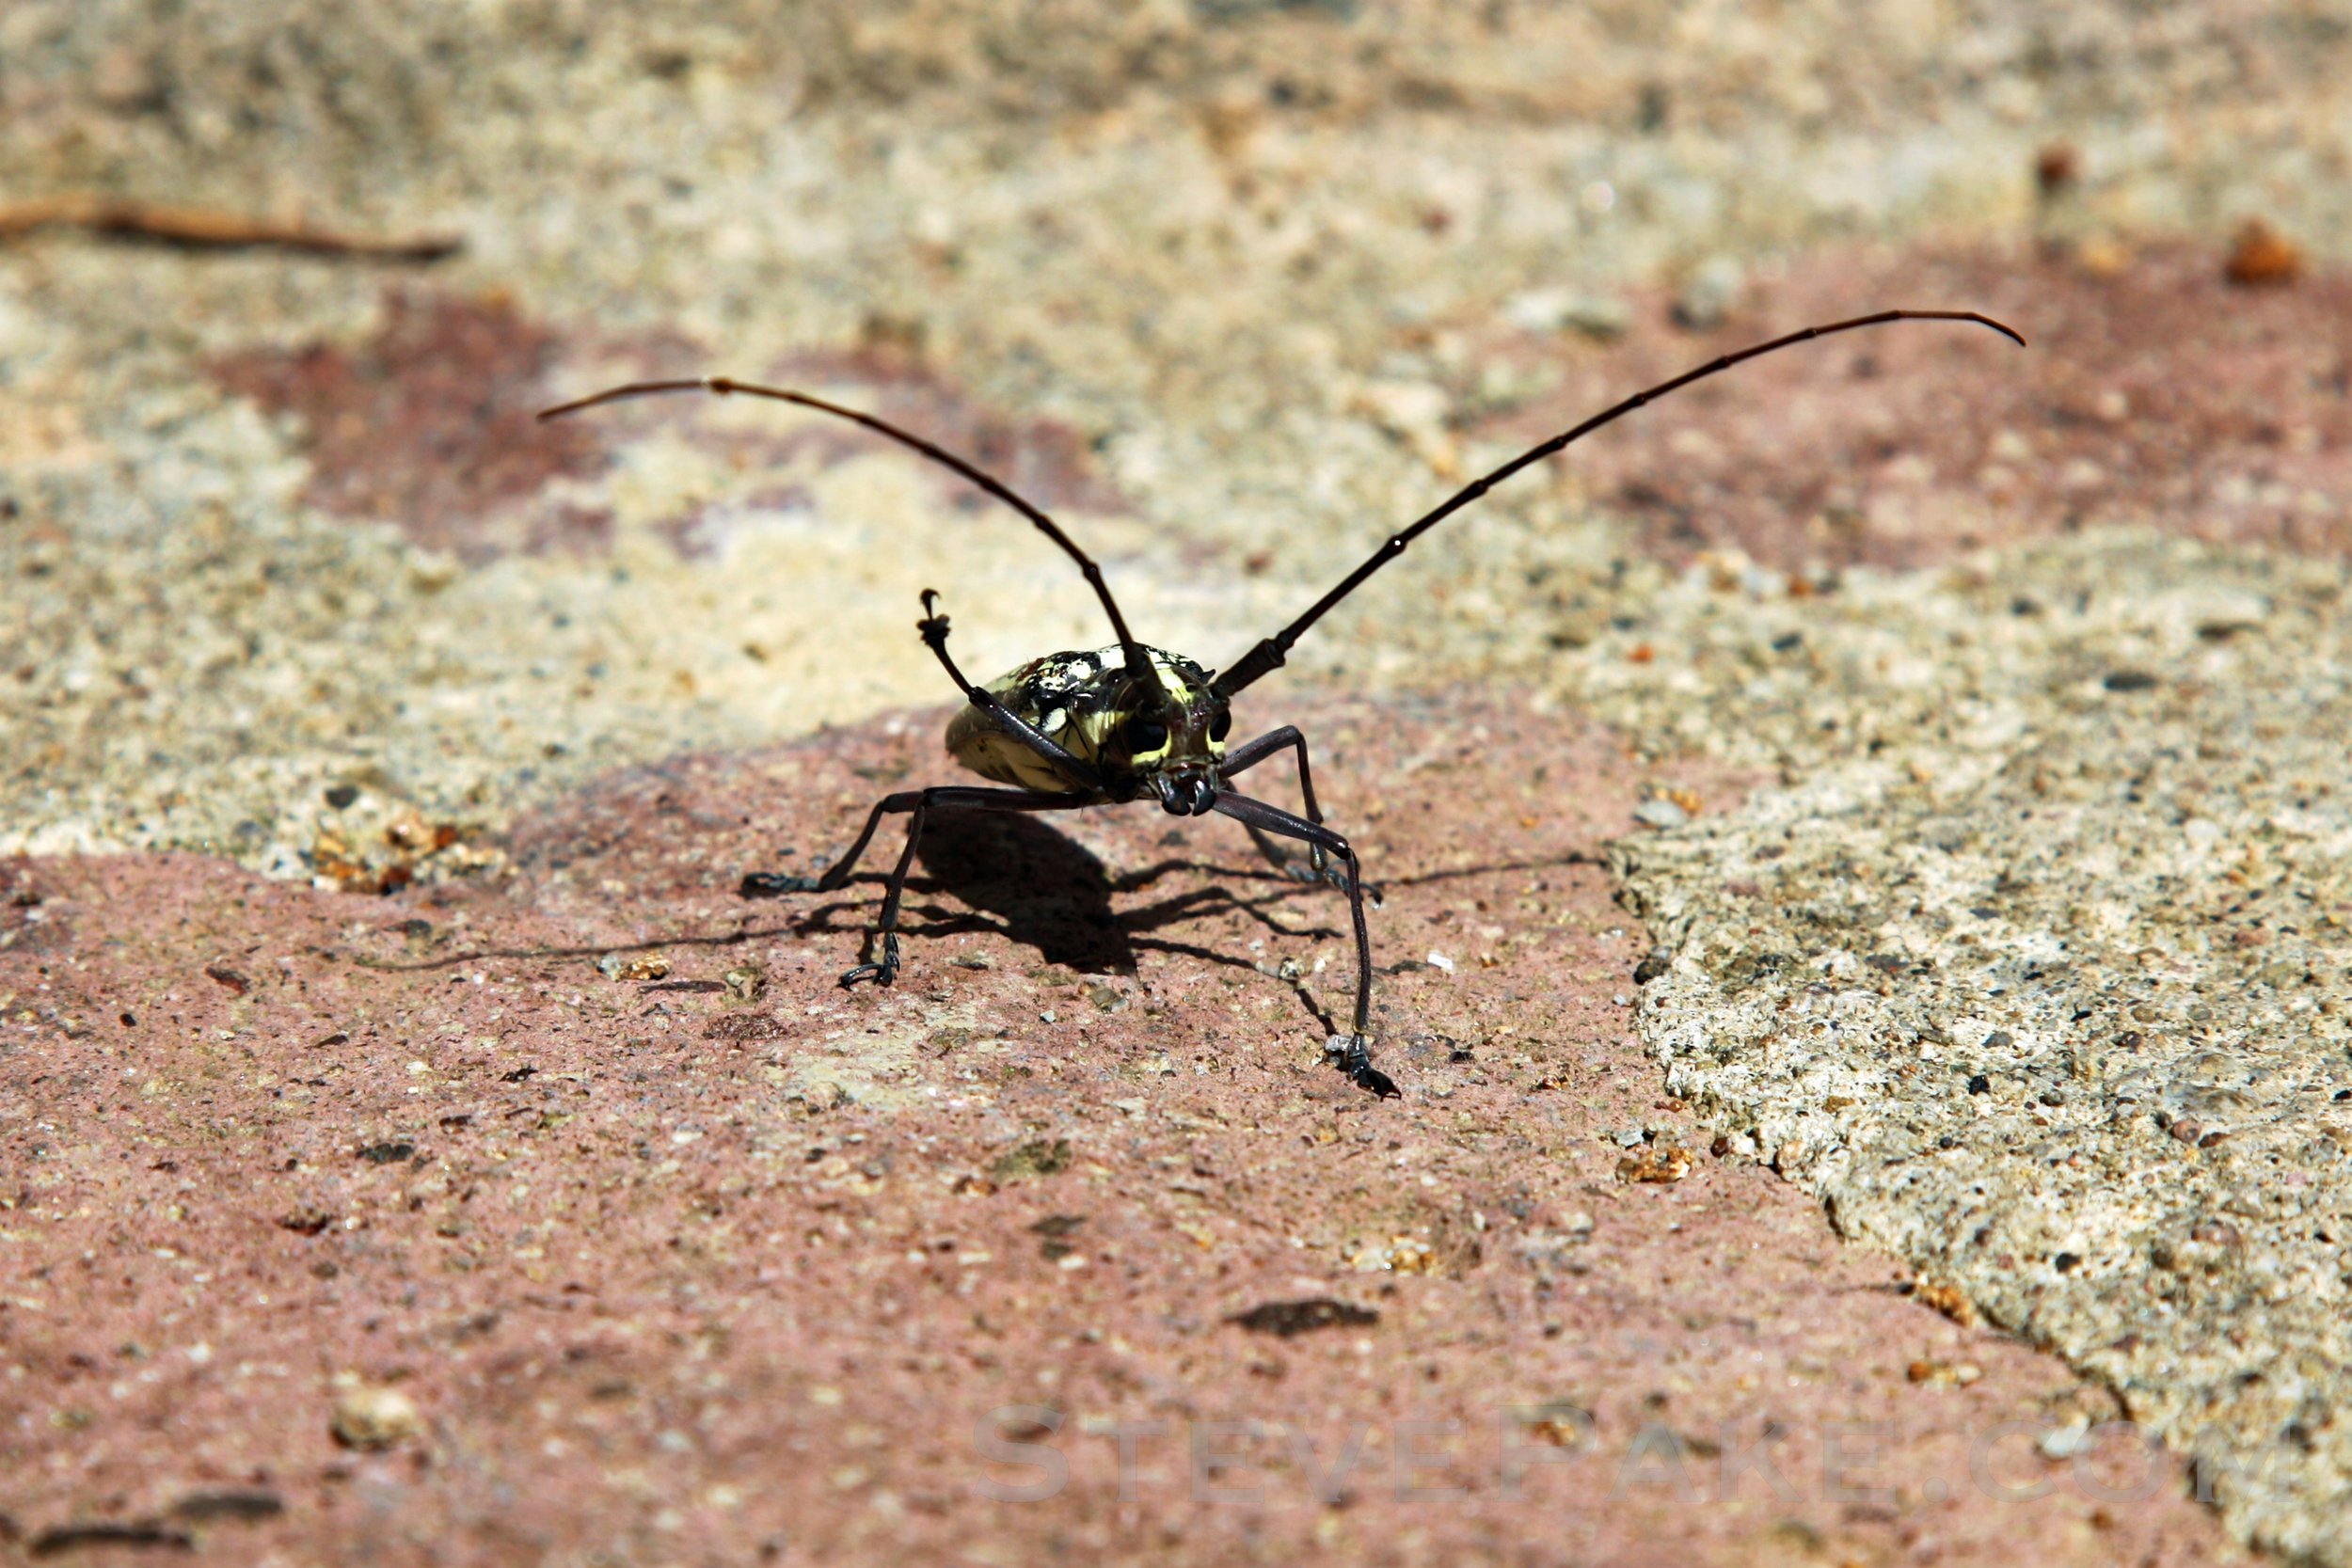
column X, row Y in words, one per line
column 1035, row 1158
column 517, row 1075
column 429, row 425
column 740, row 1027
column 2067, row 1263
column 1285, row 1319
column 772, row 884
column 241, row 1508
column 339, row 796
column 2055, row 168
column 338, row 1037
column 229, row 980
column 308, row 1220
column 387, row 1154
column 126, row 1533
column 1650, row 968
column 1056, row 1229
column 2129, row 680
column 1980, row 1084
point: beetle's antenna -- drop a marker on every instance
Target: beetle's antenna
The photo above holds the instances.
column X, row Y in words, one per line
column 1268, row 655
column 1139, row 662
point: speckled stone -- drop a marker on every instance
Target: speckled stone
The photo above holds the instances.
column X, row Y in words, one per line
column 2036, row 964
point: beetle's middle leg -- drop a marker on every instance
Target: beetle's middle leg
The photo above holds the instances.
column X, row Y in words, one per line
column 917, row 804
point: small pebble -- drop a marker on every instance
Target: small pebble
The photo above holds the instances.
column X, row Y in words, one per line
column 1660, row 813
column 1708, row 295
column 371, row 1417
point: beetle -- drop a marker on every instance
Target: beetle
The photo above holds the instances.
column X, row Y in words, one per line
column 1075, row 730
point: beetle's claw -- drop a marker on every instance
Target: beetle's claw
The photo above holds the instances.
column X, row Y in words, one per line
column 1352, row 1054
column 880, row 974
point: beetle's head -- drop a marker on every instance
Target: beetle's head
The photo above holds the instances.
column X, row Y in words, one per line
column 1170, row 741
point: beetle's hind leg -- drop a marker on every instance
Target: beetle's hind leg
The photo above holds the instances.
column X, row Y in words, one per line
column 773, row 884
column 1350, row 1053
column 918, row 804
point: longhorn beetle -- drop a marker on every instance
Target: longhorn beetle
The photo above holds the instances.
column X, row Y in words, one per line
column 1074, row 730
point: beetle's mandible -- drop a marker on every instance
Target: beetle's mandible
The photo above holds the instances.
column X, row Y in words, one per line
column 1131, row 722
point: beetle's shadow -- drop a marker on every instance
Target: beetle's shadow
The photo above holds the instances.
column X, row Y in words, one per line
column 1043, row 889
column 1023, row 880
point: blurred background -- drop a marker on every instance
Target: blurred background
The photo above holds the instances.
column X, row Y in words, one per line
column 1234, row 285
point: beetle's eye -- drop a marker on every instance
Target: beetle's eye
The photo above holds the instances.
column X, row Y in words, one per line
column 1220, row 726
column 1145, row 734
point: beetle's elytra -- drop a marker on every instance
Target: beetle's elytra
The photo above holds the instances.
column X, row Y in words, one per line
column 1131, row 722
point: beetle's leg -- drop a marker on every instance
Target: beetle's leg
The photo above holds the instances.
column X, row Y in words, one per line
column 918, row 804
column 768, row 884
column 1352, row 1054
column 1251, row 753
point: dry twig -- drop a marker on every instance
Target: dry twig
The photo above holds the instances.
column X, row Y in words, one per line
column 200, row 229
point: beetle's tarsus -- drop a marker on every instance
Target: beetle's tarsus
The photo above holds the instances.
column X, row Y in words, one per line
column 1352, row 1054
column 882, row 974
column 775, row 885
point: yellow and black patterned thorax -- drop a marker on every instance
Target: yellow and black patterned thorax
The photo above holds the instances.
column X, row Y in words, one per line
column 1090, row 706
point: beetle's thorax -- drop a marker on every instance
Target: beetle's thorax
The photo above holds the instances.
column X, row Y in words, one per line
column 1166, row 742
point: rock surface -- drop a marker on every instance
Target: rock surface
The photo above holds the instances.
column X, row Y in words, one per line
column 586, row 1214
column 384, row 1033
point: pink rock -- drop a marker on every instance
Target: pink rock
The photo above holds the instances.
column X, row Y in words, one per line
column 732, row 1265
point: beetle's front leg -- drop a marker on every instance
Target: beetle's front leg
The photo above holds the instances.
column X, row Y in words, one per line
column 1251, row 753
